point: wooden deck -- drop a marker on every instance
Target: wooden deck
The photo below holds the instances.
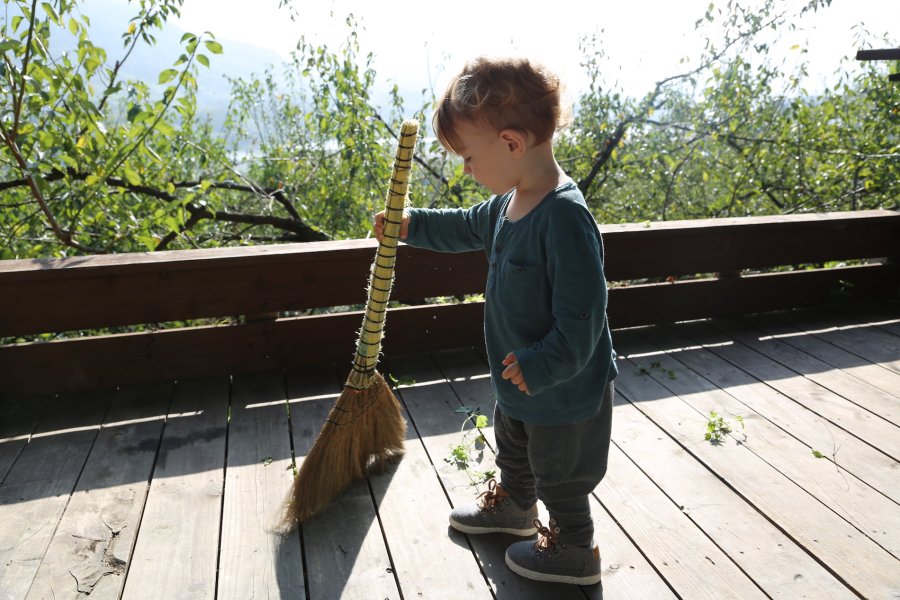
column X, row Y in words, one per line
column 171, row 490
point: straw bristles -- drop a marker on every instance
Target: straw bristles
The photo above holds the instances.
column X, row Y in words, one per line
column 364, row 432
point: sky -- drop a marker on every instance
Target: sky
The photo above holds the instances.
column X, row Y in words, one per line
column 420, row 45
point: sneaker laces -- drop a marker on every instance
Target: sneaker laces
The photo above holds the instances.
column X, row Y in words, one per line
column 548, row 538
column 490, row 499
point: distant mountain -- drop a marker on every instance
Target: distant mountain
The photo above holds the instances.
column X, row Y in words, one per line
column 110, row 19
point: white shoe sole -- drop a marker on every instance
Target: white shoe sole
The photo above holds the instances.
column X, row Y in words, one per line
column 526, row 532
column 538, row 576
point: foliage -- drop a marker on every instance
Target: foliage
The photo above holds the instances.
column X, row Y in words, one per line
column 315, row 131
column 80, row 145
column 717, row 427
column 93, row 162
column 733, row 137
column 470, row 448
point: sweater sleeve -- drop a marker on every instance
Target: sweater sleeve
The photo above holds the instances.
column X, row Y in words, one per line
column 579, row 299
column 450, row 229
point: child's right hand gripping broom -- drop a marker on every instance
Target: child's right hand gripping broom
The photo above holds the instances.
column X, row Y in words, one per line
column 365, row 429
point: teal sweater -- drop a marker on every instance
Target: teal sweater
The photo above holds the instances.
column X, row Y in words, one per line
column 545, row 299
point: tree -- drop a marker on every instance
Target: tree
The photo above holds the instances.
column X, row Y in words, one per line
column 92, row 162
column 734, row 138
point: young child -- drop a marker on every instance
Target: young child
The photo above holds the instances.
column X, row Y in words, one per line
column 546, row 333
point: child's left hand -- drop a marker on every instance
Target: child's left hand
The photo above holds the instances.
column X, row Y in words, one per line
column 513, row 372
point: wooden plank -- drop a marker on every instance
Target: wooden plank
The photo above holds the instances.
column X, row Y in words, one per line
column 105, row 291
column 413, row 510
column 731, row 244
column 873, row 514
column 867, row 342
column 850, row 555
column 90, row 551
column 834, row 354
column 878, row 54
column 207, row 351
column 857, row 380
column 694, row 299
column 112, row 290
column 176, row 551
column 345, row 553
column 766, row 360
column 77, row 364
column 689, row 561
column 626, row 572
column 695, row 347
column 885, row 316
column 36, row 490
column 19, row 418
column 434, row 413
column 771, row 559
column 255, row 560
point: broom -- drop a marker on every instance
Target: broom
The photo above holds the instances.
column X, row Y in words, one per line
column 365, row 429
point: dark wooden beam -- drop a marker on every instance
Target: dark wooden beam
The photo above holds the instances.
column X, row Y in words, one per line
column 43, row 296
column 114, row 360
column 880, row 54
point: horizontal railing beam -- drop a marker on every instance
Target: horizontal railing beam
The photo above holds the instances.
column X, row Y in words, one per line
column 261, row 283
column 51, row 296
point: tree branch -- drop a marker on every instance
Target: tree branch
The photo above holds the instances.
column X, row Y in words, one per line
column 17, row 106
column 304, row 232
column 648, row 103
column 62, row 235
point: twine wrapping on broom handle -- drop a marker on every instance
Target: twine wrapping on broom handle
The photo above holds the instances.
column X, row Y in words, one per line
column 382, row 276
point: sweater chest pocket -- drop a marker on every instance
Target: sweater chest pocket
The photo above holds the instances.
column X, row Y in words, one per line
column 523, row 287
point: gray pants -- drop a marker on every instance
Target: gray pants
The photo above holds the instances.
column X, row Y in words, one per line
column 560, row 465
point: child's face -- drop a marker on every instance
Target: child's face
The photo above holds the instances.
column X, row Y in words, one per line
column 486, row 156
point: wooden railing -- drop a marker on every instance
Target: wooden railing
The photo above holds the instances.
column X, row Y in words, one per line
column 658, row 272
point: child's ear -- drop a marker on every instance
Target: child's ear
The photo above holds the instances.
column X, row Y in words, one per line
column 516, row 142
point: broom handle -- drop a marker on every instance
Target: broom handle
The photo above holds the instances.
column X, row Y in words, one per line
column 369, row 345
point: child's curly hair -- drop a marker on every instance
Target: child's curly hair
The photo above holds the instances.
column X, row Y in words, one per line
column 504, row 93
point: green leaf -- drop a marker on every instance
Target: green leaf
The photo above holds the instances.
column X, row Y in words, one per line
column 51, row 12
column 213, row 46
column 481, row 421
column 203, row 60
column 131, row 176
column 167, row 76
column 165, row 129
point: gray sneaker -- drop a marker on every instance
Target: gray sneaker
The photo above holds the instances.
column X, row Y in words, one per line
column 494, row 512
column 548, row 559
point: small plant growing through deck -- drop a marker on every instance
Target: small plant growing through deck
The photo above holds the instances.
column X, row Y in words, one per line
column 656, row 366
column 402, row 380
column 470, row 448
column 717, row 427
